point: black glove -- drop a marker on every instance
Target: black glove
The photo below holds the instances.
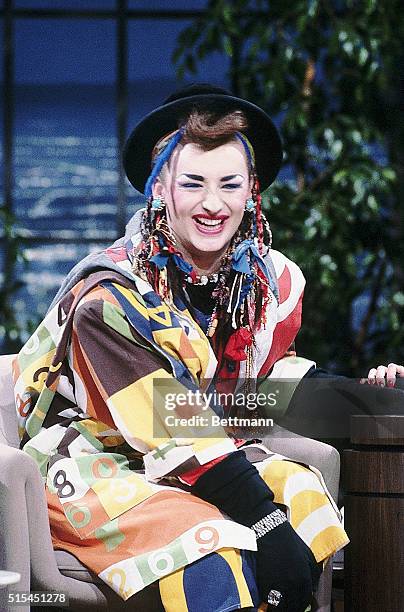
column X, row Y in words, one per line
column 287, row 572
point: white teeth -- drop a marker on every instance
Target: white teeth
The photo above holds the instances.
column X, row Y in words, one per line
column 209, row 222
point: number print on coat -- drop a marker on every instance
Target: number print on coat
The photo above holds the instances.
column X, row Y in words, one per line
column 32, row 345
column 104, row 467
column 122, row 490
column 79, row 516
column 207, row 535
column 23, row 404
column 161, row 563
column 63, row 486
column 119, row 584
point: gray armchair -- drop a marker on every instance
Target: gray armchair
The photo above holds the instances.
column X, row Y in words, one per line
column 25, row 541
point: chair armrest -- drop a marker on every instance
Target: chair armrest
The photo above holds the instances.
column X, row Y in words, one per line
column 15, row 468
column 25, row 535
column 318, row 454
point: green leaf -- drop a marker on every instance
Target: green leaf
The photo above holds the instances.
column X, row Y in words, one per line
column 348, row 47
column 398, row 298
column 340, row 177
column 389, row 174
column 312, row 8
column 227, row 14
column 227, row 45
column 330, row 139
column 363, row 56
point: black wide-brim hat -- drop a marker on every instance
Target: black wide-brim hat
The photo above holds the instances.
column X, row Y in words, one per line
column 174, row 112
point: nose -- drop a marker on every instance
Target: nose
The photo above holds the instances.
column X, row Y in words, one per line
column 212, row 203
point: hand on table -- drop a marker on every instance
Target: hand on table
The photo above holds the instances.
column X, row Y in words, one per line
column 384, row 375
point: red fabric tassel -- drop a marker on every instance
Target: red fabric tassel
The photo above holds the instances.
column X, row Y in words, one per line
column 236, row 345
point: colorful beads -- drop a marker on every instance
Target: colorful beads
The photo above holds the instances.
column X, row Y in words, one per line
column 250, row 205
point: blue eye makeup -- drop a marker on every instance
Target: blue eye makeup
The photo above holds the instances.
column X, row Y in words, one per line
column 231, row 186
column 190, row 185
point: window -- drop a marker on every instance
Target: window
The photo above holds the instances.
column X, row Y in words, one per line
column 156, row 5
column 79, row 75
column 65, row 4
column 65, row 155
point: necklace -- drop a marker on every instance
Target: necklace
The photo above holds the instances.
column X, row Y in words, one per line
column 203, row 279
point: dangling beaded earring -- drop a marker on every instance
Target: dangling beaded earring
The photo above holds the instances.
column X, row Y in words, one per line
column 158, row 203
column 250, row 205
column 258, row 213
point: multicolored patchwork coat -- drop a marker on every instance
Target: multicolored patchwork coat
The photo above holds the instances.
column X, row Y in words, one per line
column 84, row 389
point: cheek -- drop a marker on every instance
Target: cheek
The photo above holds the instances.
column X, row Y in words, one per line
column 239, row 206
column 177, row 206
column 238, row 217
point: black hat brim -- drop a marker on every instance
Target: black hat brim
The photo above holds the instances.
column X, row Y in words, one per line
column 261, row 132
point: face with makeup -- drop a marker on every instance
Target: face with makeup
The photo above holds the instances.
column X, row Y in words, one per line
column 205, row 194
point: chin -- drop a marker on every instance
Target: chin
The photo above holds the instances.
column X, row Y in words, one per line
column 209, row 245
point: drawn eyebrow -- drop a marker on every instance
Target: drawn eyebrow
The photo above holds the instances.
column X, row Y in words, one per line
column 193, row 177
column 198, row 177
column 230, row 177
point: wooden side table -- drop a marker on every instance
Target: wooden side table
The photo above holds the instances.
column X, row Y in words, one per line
column 374, row 515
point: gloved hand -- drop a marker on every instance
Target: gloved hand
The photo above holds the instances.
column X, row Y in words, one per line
column 287, row 572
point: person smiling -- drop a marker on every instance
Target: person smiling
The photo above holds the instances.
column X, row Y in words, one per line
column 205, row 194
column 193, row 298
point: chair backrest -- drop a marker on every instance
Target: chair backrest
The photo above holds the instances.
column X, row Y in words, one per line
column 8, row 415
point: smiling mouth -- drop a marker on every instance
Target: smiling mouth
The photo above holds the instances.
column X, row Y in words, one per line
column 209, row 222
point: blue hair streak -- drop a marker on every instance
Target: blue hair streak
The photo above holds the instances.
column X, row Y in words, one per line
column 161, row 159
column 247, row 149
